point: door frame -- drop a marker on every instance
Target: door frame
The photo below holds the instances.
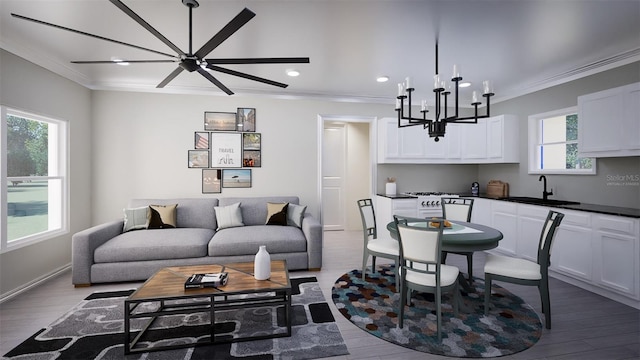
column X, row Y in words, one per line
column 373, row 135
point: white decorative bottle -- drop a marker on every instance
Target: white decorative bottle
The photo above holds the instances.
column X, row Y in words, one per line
column 262, row 264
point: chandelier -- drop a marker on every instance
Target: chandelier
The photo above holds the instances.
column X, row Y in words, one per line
column 438, row 124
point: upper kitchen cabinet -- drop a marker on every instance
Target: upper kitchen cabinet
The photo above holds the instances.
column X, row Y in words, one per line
column 609, row 122
column 491, row 140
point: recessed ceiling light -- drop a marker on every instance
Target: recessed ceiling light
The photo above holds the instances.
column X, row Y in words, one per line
column 120, row 62
column 293, row 72
column 382, row 79
column 465, row 84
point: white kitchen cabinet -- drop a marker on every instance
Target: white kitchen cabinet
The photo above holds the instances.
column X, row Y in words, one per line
column 481, row 211
column 572, row 250
column 609, row 122
column 491, row 140
column 617, row 250
column 387, row 207
column 504, row 218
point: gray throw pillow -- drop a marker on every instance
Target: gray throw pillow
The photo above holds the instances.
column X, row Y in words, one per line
column 228, row 216
column 136, row 218
column 295, row 214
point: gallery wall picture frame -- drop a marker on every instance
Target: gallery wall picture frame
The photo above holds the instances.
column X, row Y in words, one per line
column 211, row 181
column 201, row 140
column 236, row 178
column 198, row 158
column 226, row 150
column 252, row 141
column 251, row 158
column 219, row 121
column 246, row 119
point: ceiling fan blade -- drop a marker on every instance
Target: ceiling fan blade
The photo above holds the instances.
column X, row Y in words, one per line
column 146, row 25
column 171, row 76
column 236, row 23
column 215, row 81
column 91, row 35
column 246, row 76
column 123, row 61
column 279, row 60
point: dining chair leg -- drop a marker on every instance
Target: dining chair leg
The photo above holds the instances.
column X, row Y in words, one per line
column 487, row 293
column 401, row 304
column 439, row 313
column 365, row 257
column 397, row 275
column 543, row 287
column 470, row 266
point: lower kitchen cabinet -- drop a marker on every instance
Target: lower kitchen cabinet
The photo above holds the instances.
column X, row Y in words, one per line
column 616, row 242
column 387, row 207
column 600, row 253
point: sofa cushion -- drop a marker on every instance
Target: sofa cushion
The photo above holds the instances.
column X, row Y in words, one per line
column 136, row 218
column 155, row 244
column 162, row 216
column 247, row 240
column 254, row 209
column 228, row 216
column 191, row 212
column 277, row 214
column 295, row 214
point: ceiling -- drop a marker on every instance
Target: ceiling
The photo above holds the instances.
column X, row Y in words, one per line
column 520, row 45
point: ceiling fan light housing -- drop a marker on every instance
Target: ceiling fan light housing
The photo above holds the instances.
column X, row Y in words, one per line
column 190, row 3
column 190, row 65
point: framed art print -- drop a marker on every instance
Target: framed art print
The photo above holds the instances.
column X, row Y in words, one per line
column 251, row 141
column 246, row 119
column 219, row 121
column 226, row 150
column 198, row 158
column 236, row 178
column 201, row 140
column 251, row 158
column 211, row 181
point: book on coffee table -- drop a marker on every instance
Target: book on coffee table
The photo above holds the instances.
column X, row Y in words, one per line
column 199, row 281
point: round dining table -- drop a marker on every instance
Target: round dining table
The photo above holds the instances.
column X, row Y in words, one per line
column 482, row 238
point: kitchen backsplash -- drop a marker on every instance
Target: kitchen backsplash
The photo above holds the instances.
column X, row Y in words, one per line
column 446, row 178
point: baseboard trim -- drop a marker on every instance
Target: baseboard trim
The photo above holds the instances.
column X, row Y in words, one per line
column 17, row 291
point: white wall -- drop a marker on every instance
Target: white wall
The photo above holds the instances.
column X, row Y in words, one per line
column 25, row 86
column 358, row 172
column 141, row 142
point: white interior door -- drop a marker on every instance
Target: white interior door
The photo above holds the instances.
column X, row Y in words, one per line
column 333, row 177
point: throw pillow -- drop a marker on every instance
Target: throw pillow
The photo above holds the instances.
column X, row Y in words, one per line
column 277, row 214
column 295, row 214
column 162, row 216
column 136, row 218
column 228, row 216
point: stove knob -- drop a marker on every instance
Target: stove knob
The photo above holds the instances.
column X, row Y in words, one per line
column 433, row 202
column 423, row 204
column 437, row 203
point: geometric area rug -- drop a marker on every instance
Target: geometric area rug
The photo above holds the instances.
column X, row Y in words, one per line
column 372, row 305
column 93, row 329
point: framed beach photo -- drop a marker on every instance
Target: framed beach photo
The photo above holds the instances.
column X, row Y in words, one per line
column 236, row 178
column 201, row 140
column 226, row 150
column 251, row 158
column 198, row 158
column 219, row 121
column 251, row 141
column 246, row 119
column 211, row 181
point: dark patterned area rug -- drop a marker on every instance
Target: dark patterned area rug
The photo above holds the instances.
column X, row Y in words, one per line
column 93, row 329
column 372, row 305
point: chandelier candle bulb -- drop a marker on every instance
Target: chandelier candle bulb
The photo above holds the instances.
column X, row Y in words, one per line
column 424, row 105
column 486, row 86
column 398, row 103
column 456, row 72
column 436, row 82
column 400, row 89
column 474, row 97
column 408, row 80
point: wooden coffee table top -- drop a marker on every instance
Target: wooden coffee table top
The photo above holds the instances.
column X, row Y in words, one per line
column 169, row 282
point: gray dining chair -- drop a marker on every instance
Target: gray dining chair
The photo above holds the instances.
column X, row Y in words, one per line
column 458, row 209
column 385, row 247
column 523, row 271
column 421, row 268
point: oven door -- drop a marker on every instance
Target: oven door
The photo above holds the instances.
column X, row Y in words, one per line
column 427, row 213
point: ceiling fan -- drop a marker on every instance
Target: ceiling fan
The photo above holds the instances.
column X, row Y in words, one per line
column 189, row 61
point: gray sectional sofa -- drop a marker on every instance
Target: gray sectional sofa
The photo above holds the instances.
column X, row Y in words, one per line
column 104, row 253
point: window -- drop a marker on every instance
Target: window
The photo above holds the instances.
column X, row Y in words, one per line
column 34, row 178
column 553, row 144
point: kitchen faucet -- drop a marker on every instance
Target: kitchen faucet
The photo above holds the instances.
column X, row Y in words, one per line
column 545, row 193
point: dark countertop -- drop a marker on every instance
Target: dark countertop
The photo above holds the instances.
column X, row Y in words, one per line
column 600, row 209
column 398, row 196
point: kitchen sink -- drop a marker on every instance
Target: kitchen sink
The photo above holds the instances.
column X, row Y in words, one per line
column 539, row 201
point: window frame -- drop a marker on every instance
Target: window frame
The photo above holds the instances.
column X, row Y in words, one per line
column 60, row 173
column 533, row 136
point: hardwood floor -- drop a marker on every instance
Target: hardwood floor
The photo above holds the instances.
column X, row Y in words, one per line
column 585, row 325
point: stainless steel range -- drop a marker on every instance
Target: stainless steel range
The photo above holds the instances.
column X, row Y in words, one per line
column 429, row 203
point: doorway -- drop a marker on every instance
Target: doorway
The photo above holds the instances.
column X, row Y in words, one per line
column 347, row 169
